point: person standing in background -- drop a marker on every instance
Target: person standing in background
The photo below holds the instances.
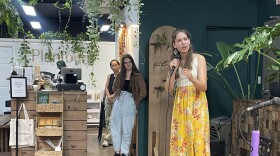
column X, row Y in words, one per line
column 130, row 89
column 60, row 64
column 190, row 133
column 109, row 100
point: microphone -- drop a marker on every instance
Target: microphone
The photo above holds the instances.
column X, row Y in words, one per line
column 275, row 100
column 176, row 56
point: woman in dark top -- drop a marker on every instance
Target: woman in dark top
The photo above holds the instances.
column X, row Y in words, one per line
column 130, row 89
column 109, row 101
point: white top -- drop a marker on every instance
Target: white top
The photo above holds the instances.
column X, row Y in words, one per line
column 183, row 80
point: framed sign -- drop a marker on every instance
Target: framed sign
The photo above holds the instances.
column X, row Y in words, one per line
column 18, row 87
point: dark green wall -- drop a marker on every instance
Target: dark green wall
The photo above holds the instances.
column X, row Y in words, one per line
column 234, row 19
column 266, row 9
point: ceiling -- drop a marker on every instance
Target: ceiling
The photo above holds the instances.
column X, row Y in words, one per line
column 52, row 19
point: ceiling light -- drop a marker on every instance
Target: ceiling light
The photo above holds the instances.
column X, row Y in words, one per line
column 105, row 28
column 29, row 10
column 35, row 25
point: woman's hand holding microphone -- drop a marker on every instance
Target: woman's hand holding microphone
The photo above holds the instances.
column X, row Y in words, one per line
column 174, row 64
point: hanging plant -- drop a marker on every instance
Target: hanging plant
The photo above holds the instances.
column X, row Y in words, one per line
column 24, row 50
column 93, row 10
column 78, row 47
column 9, row 17
column 64, row 38
column 47, row 38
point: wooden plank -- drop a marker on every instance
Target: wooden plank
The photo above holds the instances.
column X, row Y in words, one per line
column 72, row 106
column 31, row 95
column 23, row 152
column 32, row 114
column 73, row 145
column 75, row 125
column 75, row 135
column 5, row 153
column 6, row 138
column 75, row 115
column 2, row 134
column 82, row 152
column 30, row 105
column 4, row 119
column 75, row 97
column 159, row 56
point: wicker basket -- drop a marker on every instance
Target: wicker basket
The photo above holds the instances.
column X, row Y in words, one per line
column 48, row 153
column 49, row 107
column 53, row 131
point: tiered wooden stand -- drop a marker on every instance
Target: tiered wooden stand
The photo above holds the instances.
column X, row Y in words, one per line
column 72, row 123
column 49, row 125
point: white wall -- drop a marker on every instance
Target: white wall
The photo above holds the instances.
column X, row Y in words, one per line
column 132, row 33
column 101, row 67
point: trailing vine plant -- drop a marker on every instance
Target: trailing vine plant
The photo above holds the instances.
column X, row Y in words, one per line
column 24, row 50
column 78, row 47
column 47, row 38
column 93, row 10
column 9, row 16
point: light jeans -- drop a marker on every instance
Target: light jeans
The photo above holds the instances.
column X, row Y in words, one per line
column 122, row 122
column 108, row 110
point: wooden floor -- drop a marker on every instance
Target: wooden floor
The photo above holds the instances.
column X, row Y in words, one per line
column 94, row 148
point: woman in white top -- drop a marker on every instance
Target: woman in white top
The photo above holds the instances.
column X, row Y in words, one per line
column 190, row 133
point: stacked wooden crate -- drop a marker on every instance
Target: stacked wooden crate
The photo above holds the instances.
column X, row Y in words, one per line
column 74, row 121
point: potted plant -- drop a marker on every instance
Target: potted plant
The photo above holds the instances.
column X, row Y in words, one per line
column 273, row 73
column 260, row 42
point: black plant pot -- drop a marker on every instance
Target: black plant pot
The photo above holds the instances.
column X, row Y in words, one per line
column 274, row 88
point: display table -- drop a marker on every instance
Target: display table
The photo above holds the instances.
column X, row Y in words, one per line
column 74, row 121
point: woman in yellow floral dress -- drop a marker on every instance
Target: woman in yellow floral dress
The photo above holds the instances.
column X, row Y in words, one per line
column 190, row 134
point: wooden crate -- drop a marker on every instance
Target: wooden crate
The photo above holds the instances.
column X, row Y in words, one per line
column 49, row 107
column 269, row 126
column 74, row 123
column 48, row 153
column 49, row 122
column 53, row 131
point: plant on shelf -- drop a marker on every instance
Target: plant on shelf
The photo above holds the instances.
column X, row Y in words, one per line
column 10, row 19
column 261, row 43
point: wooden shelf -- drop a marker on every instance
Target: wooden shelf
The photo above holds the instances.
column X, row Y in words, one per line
column 53, row 131
column 48, row 153
column 49, row 108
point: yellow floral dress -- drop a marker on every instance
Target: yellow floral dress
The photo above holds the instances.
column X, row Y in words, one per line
column 190, row 134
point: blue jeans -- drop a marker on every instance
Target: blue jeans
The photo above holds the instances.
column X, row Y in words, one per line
column 122, row 122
